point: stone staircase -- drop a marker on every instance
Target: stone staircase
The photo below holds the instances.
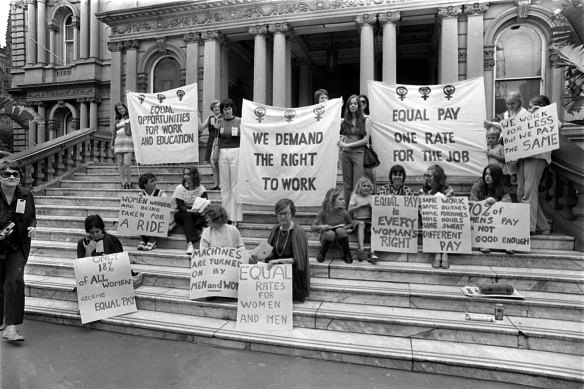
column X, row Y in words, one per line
column 400, row 313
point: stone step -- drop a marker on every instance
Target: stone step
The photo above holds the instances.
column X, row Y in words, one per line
column 360, row 318
column 506, row 365
column 99, row 169
column 175, row 281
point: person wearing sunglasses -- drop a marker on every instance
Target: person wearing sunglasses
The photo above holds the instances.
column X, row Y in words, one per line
column 18, row 223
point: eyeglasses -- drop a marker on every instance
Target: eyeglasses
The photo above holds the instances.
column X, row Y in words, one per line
column 9, row 174
column 283, row 214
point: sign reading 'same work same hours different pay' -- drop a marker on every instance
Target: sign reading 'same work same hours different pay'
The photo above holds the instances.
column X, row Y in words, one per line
column 144, row 215
column 503, row 226
column 445, row 225
column 104, row 286
column 394, row 224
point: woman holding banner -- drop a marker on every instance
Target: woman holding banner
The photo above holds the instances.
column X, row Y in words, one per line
column 355, row 130
column 185, row 196
column 229, row 137
column 211, row 125
column 122, row 144
column 18, row 224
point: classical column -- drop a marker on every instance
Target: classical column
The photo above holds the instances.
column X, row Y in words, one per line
column 557, row 82
column 304, row 83
column 269, row 74
column 288, row 72
column 279, row 64
column 259, row 63
column 41, row 127
column 131, row 47
column 474, row 39
column 94, row 30
column 212, row 66
column 83, row 111
column 192, row 41
column 367, row 68
column 448, row 59
column 53, row 29
column 31, row 36
column 93, row 113
column 32, row 134
column 75, row 24
column 224, row 70
column 389, row 63
column 41, row 32
column 489, row 79
column 84, row 30
column 115, row 74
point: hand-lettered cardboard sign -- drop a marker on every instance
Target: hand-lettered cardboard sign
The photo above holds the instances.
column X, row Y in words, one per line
column 394, row 224
column 265, row 298
column 165, row 125
column 445, row 225
column 288, row 152
column 215, row 271
column 144, row 215
column 104, row 286
column 503, row 226
column 531, row 133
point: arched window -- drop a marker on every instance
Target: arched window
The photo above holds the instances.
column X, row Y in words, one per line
column 519, row 64
column 68, row 40
column 166, row 75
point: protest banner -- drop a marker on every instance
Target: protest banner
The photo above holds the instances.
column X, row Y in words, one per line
column 531, row 133
column 265, row 298
column 104, row 286
column 288, row 153
column 503, row 226
column 165, row 125
column 144, row 215
column 394, row 224
column 215, row 271
column 421, row 126
column 445, row 225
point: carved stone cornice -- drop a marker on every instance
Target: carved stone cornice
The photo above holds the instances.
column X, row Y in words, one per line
column 192, row 37
column 365, row 19
column 131, row 44
column 260, row 29
column 75, row 22
column 476, row 8
column 489, row 57
column 522, row 8
column 389, row 17
column 449, row 12
column 210, row 35
column 52, row 24
column 553, row 57
column 283, row 28
column 115, row 46
column 31, row 2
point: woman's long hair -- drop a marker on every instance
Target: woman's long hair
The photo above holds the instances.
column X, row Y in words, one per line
column 118, row 114
column 438, row 183
column 497, row 189
column 347, row 126
column 329, row 200
column 195, row 177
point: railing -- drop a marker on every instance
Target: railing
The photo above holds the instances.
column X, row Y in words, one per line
column 49, row 160
column 563, row 191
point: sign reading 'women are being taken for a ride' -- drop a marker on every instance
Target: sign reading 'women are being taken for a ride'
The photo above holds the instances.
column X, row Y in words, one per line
column 165, row 125
column 420, row 126
column 288, row 152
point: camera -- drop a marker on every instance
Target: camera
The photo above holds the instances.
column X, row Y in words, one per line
column 6, row 230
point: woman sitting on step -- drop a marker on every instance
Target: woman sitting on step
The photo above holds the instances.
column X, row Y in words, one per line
column 332, row 222
column 147, row 182
column 491, row 189
column 99, row 242
column 185, row 196
column 290, row 246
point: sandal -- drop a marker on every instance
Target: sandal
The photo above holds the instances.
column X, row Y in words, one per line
column 150, row 246
column 485, row 251
column 510, row 252
column 373, row 258
column 141, row 245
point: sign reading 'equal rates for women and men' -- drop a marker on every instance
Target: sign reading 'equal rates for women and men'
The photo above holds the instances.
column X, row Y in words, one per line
column 420, row 126
column 288, row 152
column 165, row 125
column 104, row 286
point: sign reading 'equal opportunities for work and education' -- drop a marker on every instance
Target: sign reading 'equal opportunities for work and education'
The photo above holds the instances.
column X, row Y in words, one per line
column 265, row 298
column 394, row 224
column 165, row 125
column 144, row 215
column 531, row 133
column 426, row 125
column 104, row 286
column 503, row 226
column 445, row 225
column 215, row 271
column 288, row 153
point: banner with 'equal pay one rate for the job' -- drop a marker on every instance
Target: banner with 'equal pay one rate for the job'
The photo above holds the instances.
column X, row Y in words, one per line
column 419, row 126
column 165, row 125
column 288, row 152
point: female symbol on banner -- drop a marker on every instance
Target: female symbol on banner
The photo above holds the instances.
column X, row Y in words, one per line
column 260, row 112
column 425, row 91
column 449, row 91
column 289, row 114
column 401, row 91
column 318, row 111
column 180, row 93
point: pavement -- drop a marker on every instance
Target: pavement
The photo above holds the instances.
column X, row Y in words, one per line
column 59, row 356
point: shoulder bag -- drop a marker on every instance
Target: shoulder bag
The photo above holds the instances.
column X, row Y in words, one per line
column 370, row 159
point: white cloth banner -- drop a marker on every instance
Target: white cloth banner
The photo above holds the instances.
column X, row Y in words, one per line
column 419, row 126
column 289, row 153
column 165, row 125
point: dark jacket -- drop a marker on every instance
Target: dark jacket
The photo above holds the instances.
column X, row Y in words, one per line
column 111, row 245
column 22, row 220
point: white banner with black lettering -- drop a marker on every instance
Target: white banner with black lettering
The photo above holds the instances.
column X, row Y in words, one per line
column 165, row 125
column 419, row 126
column 288, row 152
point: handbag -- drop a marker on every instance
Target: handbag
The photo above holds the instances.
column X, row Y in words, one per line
column 502, row 289
column 127, row 129
column 370, row 159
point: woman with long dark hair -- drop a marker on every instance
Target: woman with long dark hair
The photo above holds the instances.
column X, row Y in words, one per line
column 123, row 145
column 490, row 187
